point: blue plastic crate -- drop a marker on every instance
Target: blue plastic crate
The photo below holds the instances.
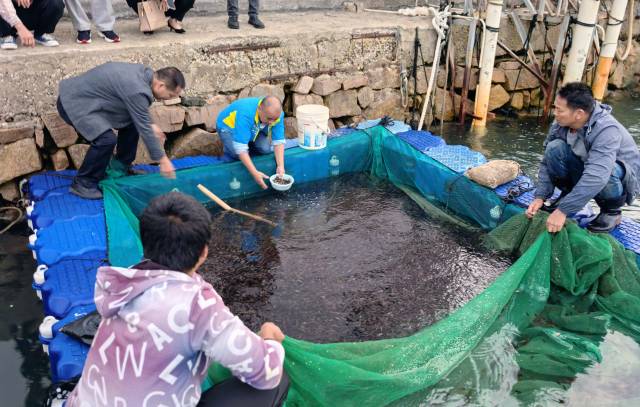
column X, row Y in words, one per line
column 628, row 233
column 62, row 207
column 67, row 355
column 458, row 158
column 51, row 182
column 72, row 238
column 421, row 140
column 70, row 283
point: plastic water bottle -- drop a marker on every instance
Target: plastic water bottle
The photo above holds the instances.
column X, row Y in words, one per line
column 234, row 184
column 32, row 245
column 39, row 279
column 46, row 331
column 334, row 165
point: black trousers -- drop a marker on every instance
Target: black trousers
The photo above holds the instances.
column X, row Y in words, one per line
column 94, row 166
column 234, row 393
column 41, row 17
column 182, row 6
column 232, row 7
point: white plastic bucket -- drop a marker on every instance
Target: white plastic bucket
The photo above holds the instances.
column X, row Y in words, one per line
column 313, row 126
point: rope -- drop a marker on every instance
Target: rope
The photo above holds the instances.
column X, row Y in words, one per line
column 627, row 50
column 15, row 221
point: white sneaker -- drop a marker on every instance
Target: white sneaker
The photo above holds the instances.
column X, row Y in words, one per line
column 47, row 40
column 8, row 42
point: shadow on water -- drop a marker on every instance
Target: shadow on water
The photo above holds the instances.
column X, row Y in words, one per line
column 352, row 259
column 25, row 371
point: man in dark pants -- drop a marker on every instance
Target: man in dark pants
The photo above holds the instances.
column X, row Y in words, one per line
column 588, row 155
column 175, row 12
column 21, row 17
column 116, row 96
column 232, row 10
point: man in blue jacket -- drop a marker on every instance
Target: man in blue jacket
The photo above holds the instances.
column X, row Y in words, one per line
column 111, row 96
column 588, row 155
column 251, row 126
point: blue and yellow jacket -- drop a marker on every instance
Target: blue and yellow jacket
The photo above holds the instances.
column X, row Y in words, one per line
column 241, row 119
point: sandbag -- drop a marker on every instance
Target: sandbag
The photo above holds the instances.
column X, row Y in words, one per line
column 494, row 173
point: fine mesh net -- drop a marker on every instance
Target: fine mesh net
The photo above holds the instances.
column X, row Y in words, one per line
column 521, row 341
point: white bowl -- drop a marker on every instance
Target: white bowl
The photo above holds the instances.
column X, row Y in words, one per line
column 281, row 187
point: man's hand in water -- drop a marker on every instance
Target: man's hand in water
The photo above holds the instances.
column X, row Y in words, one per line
column 555, row 221
column 269, row 330
column 259, row 177
column 534, row 207
column 166, row 168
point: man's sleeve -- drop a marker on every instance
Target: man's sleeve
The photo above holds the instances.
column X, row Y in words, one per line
column 226, row 340
column 138, row 107
column 242, row 134
column 597, row 170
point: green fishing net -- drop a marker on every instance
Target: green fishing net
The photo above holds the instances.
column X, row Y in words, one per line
column 522, row 341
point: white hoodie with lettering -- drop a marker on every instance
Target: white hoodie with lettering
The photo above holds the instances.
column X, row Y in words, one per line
column 160, row 331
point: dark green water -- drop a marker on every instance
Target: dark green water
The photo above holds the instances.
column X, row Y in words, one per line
column 25, row 371
column 352, row 259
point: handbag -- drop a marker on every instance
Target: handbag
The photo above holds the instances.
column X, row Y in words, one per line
column 150, row 15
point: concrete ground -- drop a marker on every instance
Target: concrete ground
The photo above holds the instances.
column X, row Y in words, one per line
column 208, row 29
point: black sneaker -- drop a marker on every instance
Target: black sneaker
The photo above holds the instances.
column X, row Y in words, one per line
column 84, row 192
column 84, row 37
column 135, row 171
column 233, row 23
column 606, row 221
column 255, row 21
column 110, row 36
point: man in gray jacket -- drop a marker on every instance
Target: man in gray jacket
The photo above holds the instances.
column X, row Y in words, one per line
column 588, row 155
column 111, row 96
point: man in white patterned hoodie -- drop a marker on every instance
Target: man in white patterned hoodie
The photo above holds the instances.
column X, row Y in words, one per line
column 162, row 325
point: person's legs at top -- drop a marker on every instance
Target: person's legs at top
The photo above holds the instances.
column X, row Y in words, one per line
column 234, row 393
column 232, row 11
column 80, row 21
column 254, row 7
column 182, row 7
column 104, row 19
column 42, row 18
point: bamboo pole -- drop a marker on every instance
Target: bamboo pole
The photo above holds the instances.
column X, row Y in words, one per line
column 483, row 90
column 582, row 38
column 228, row 208
column 609, row 46
column 555, row 69
column 468, row 60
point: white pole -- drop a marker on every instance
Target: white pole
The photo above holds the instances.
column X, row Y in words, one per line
column 609, row 46
column 440, row 25
column 483, row 90
column 582, row 38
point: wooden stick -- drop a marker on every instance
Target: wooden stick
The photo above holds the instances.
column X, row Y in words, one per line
column 228, row 208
